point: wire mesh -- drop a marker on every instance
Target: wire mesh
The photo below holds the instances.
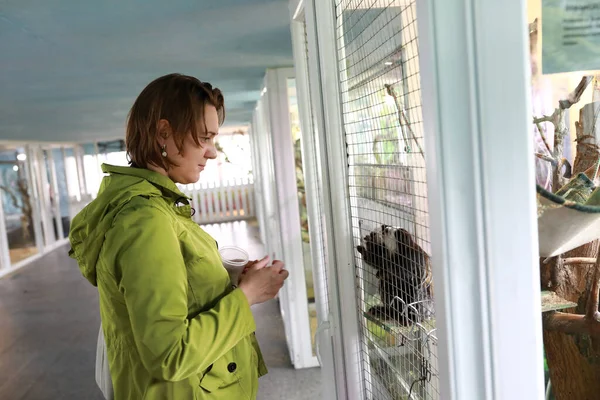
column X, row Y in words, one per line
column 381, row 103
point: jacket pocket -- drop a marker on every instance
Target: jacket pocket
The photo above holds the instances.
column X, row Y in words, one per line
column 221, row 374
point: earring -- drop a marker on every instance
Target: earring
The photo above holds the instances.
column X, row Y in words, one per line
column 164, row 150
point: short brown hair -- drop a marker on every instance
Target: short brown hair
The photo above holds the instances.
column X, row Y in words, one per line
column 177, row 98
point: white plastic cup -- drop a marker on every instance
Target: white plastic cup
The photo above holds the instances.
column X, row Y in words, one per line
column 234, row 260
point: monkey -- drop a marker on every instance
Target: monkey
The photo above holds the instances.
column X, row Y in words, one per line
column 404, row 272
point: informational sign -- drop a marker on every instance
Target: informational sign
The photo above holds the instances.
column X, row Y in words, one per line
column 570, row 36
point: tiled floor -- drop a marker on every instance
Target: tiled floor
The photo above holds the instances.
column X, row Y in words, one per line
column 49, row 323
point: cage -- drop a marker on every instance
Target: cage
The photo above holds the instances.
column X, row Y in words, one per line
column 378, row 53
column 380, row 180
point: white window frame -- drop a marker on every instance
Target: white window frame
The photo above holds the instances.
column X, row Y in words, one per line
column 351, row 382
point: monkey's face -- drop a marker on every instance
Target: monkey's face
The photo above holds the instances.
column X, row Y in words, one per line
column 390, row 236
column 373, row 248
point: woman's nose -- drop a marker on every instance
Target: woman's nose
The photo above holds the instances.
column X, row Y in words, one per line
column 211, row 152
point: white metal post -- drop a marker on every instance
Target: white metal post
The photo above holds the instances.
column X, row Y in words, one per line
column 257, row 174
column 268, row 194
column 480, row 165
column 78, row 153
column 347, row 380
column 342, row 254
column 323, row 340
column 98, row 164
column 275, row 226
column 69, row 194
column 289, row 215
column 46, row 210
column 275, row 231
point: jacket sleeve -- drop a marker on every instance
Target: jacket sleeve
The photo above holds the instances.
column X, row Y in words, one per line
column 153, row 280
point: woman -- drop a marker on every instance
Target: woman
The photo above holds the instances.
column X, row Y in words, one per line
column 175, row 326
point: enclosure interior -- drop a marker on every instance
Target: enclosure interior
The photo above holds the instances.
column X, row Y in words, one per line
column 379, row 88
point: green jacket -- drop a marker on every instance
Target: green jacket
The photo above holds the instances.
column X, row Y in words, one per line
column 175, row 327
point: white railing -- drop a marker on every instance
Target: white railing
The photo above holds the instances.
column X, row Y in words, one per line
column 214, row 202
column 222, row 201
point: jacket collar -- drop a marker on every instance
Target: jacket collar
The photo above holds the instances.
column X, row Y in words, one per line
column 155, row 178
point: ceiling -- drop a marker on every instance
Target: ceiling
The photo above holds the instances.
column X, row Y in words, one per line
column 71, row 69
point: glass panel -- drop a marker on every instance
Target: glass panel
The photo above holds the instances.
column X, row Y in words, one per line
column 72, row 177
column 63, row 190
column 113, row 152
column 308, row 271
column 233, row 163
column 91, row 169
column 17, row 205
column 117, row 158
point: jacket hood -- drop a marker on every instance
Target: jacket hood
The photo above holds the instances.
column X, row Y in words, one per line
column 89, row 227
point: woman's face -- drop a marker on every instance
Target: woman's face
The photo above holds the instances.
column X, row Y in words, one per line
column 192, row 159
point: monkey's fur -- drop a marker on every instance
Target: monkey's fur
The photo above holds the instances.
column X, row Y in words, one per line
column 404, row 273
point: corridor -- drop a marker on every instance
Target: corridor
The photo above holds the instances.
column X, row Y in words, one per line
column 49, row 323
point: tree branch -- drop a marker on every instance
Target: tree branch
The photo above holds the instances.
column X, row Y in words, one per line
column 588, row 324
column 571, row 323
column 561, row 129
column 579, row 260
column 591, row 311
column 542, row 135
column 575, row 95
column 546, row 158
column 544, row 118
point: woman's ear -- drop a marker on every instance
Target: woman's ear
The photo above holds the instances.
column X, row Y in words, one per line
column 164, row 129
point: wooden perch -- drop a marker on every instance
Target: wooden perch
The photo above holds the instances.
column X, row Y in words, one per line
column 390, row 89
column 538, row 124
column 588, row 324
column 571, row 324
column 578, row 260
column 545, row 158
column 591, row 311
column 575, row 95
column 546, row 118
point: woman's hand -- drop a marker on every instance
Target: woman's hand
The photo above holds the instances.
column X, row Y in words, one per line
column 256, row 263
column 260, row 284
